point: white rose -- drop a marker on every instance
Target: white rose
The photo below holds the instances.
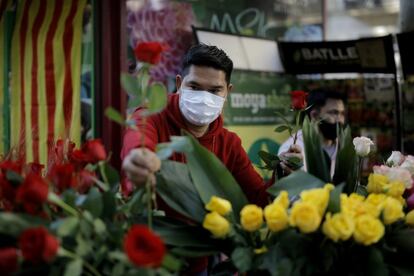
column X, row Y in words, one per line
column 395, row 159
column 408, row 164
column 362, row 145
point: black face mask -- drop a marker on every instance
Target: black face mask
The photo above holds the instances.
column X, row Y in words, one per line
column 329, row 130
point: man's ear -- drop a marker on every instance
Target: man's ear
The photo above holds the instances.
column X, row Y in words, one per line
column 178, row 81
column 229, row 87
column 314, row 114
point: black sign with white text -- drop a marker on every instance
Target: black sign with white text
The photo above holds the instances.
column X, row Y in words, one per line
column 371, row 55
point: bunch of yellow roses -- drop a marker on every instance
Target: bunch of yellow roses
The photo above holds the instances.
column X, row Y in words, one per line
column 361, row 218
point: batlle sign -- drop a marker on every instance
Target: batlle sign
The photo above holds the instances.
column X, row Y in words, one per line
column 372, row 55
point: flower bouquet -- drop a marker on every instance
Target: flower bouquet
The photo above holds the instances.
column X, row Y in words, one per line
column 70, row 218
column 312, row 227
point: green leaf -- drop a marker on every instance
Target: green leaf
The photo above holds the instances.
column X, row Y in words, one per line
column 14, row 178
column 375, row 263
column 315, row 158
column 171, row 263
column 212, row 178
column 134, row 102
column 114, row 115
column 93, row 202
column 100, row 227
column 68, row 226
column 185, row 199
column 157, row 99
column 403, row 240
column 283, row 128
column 193, row 252
column 334, row 205
column 111, row 174
column 109, row 205
column 83, row 247
column 242, row 258
column 13, row 224
column 74, row 268
column 177, row 144
column 271, row 160
column 176, row 233
column 295, row 183
column 346, row 161
column 131, row 85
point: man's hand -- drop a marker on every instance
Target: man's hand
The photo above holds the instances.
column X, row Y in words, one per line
column 140, row 165
column 294, row 153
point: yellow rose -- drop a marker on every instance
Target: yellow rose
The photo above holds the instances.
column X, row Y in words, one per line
column 305, row 216
column 251, row 217
column 353, row 205
column 219, row 205
column 329, row 186
column 374, row 204
column 282, row 199
column 318, row 197
column 395, row 189
column 368, row 230
column 340, row 226
column 409, row 218
column 276, row 217
column 376, row 183
column 392, row 210
column 216, row 224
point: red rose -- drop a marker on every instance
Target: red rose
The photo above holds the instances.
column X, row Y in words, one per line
column 94, row 150
column 34, row 168
column 8, row 260
column 79, row 159
column 38, row 245
column 143, row 247
column 11, row 165
column 86, row 179
column 62, row 150
column 32, row 193
column 298, row 99
column 62, row 176
column 149, row 52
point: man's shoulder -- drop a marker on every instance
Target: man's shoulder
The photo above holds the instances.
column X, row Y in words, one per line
column 229, row 136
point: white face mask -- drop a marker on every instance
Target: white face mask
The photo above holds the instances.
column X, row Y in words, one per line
column 200, row 107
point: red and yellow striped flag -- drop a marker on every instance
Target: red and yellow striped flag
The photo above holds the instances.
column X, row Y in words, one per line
column 4, row 4
column 46, row 70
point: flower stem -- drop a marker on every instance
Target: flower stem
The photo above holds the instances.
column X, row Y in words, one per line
column 149, row 202
column 104, row 177
column 359, row 169
column 70, row 254
column 54, row 198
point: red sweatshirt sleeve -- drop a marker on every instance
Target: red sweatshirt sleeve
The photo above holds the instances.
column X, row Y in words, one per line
column 145, row 135
column 248, row 178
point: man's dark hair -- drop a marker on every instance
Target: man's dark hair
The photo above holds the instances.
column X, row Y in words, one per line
column 317, row 98
column 209, row 56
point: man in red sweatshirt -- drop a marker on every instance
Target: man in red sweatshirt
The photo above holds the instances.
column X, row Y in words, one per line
column 202, row 88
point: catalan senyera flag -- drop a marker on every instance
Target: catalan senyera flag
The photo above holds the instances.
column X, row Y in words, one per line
column 4, row 5
column 46, row 70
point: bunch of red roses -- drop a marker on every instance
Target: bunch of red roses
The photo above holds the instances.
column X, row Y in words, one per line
column 25, row 187
column 58, row 216
column 36, row 246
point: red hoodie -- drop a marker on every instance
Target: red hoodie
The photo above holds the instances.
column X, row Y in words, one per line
column 226, row 145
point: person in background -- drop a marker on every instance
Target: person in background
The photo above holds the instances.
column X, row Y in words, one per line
column 202, row 89
column 327, row 107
